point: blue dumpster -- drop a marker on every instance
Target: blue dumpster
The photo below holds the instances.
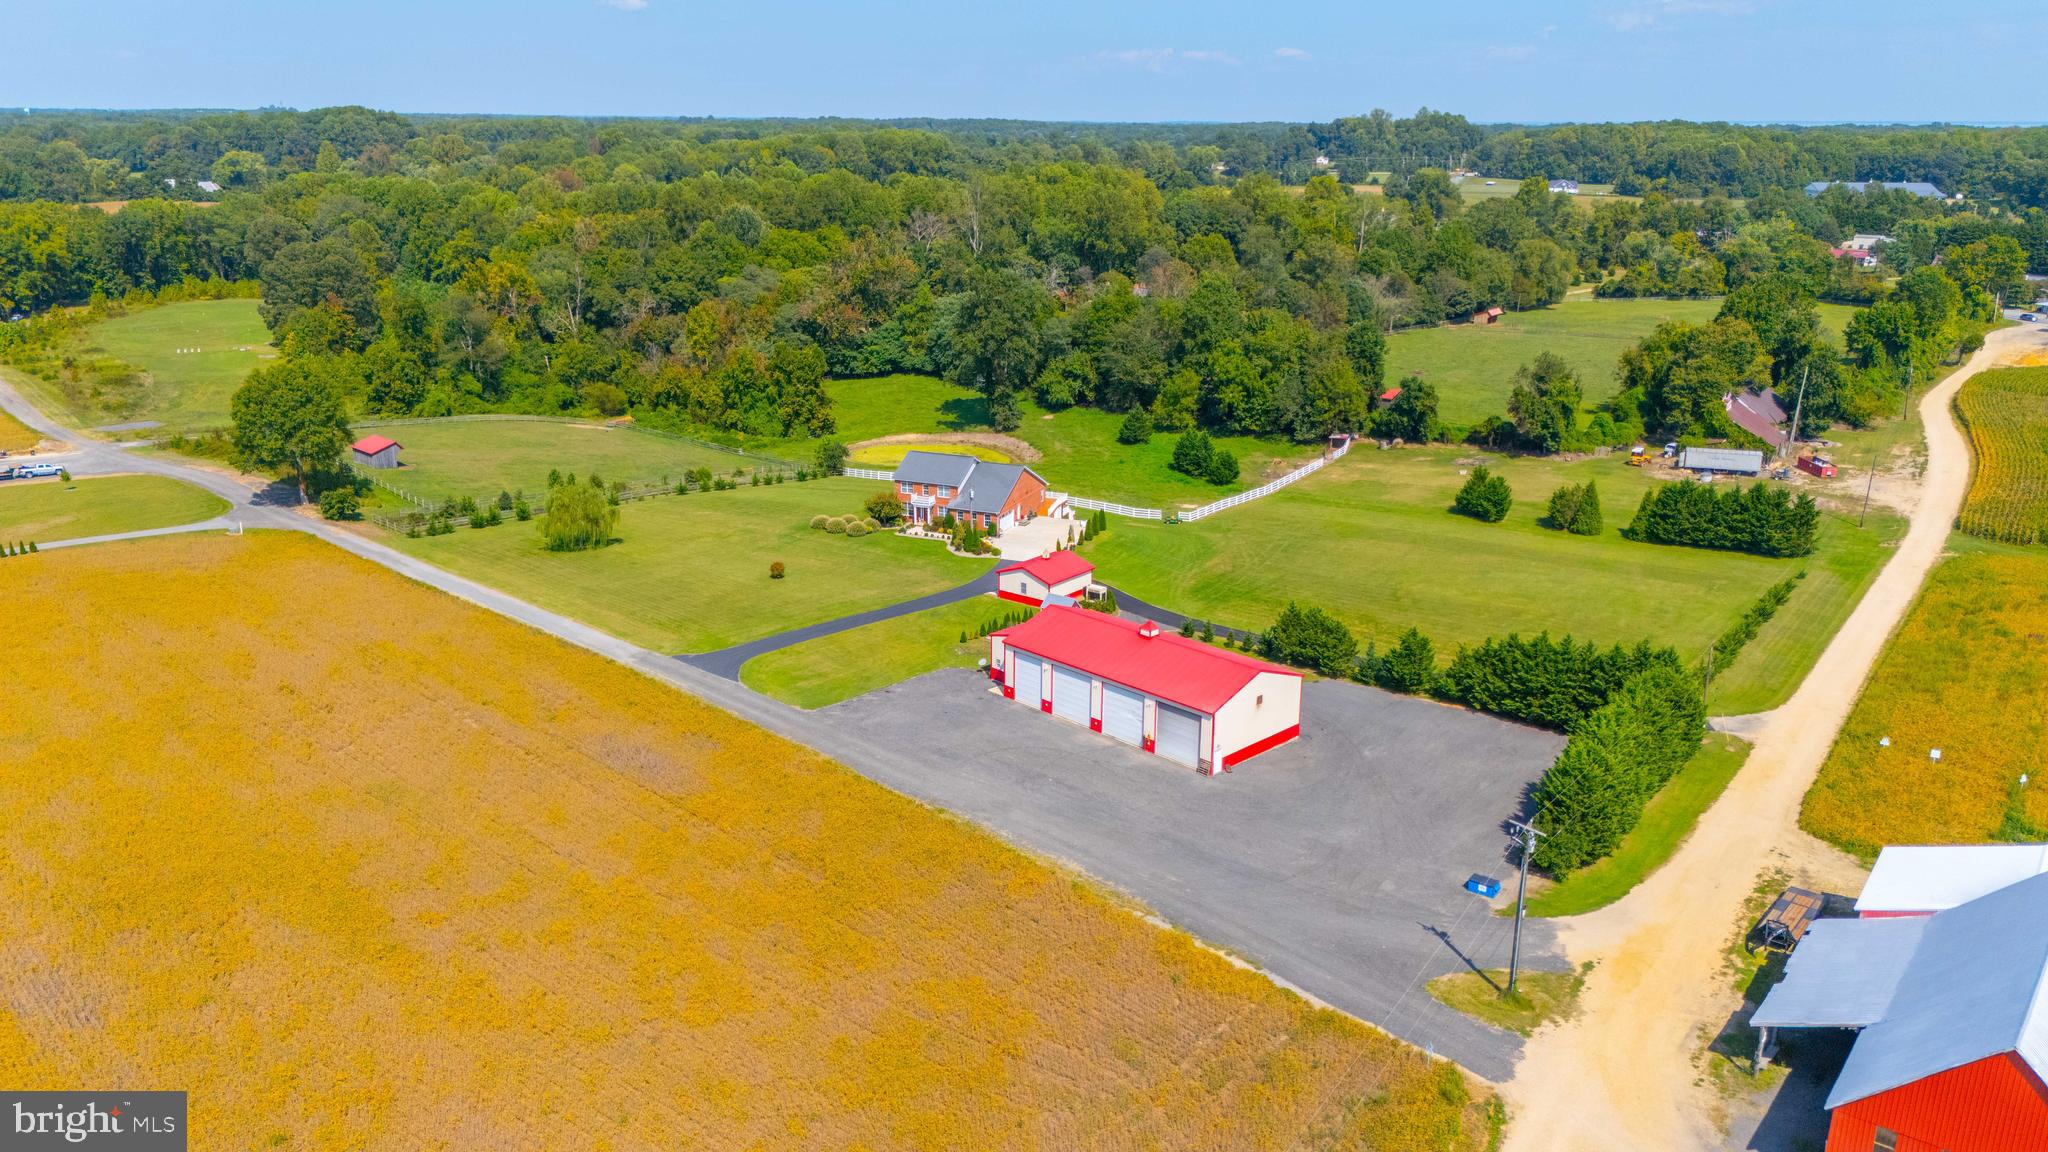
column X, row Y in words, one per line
column 1485, row 886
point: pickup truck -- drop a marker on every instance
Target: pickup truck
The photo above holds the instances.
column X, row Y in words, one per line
column 29, row 471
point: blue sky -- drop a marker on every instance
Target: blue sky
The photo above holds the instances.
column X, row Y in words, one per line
column 1875, row 60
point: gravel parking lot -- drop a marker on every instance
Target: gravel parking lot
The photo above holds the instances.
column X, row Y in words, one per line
column 1335, row 863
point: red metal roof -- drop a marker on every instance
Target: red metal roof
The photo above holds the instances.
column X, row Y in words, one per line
column 371, row 445
column 1391, row 395
column 1050, row 570
column 1166, row 665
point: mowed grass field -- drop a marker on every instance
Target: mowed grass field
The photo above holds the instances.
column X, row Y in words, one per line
column 1078, row 446
column 1371, row 539
column 859, row 660
column 183, row 390
column 53, row 509
column 2005, row 412
column 1966, row 673
column 343, row 857
column 690, row 573
column 16, row 436
column 447, row 459
column 1473, row 366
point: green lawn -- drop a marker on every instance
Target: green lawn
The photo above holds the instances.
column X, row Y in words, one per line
column 480, row 458
column 1539, row 998
column 131, row 367
column 1371, row 540
column 1667, row 820
column 1473, row 366
column 16, row 436
column 47, row 510
column 690, row 573
column 860, row 660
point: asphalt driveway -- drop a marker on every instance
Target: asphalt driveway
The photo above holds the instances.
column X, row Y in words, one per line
column 1336, row 862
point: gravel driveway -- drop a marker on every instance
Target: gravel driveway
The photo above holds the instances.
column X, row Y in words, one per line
column 1335, row 863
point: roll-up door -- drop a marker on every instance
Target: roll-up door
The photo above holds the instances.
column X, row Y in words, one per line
column 1180, row 735
column 1123, row 714
column 1069, row 694
column 1027, row 677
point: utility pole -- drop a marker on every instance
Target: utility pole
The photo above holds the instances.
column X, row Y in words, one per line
column 1525, row 834
column 1799, row 407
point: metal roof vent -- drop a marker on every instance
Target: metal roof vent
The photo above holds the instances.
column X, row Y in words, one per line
column 1148, row 629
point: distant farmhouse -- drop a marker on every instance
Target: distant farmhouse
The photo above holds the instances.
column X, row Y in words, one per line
column 1863, row 249
column 1916, row 187
column 1567, row 186
column 1759, row 414
column 375, row 452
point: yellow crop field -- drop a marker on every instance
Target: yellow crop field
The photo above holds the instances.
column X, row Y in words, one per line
column 2006, row 413
column 1967, row 673
column 361, row 866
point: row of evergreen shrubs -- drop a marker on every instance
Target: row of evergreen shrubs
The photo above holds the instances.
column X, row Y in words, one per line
column 1740, row 633
column 846, row 525
column 1758, row 519
column 1618, row 756
column 1575, row 508
column 17, row 548
column 1545, row 682
column 1194, row 454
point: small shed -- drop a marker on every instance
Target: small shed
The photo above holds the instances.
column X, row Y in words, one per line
column 1570, row 187
column 374, row 452
column 1818, row 465
column 1486, row 316
column 1740, row 461
column 1389, row 396
column 1061, row 576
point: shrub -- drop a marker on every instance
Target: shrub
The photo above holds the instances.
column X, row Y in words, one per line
column 1618, row 756
column 1311, row 638
column 1575, row 508
column 504, row 500
column 1222, row 468
column 1758, row 519
column 775, row 570
column 1739, row 634
column 856, row 528
column 831, row 458
column 1549, row 683
column 521, row 510
column 578, row 517
column 836, row 525
column 873, row 524
column 885, row 507
column 1410, row 666
column 1136, row 428
column 819, row 522
column 1191, row 453
column 1485, row 496
column 340, row 504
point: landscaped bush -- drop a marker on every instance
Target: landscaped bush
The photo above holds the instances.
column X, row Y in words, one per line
column 1618, row 756
column 1191, row 453
column 1485, row 496
column 1575, row 508
column 1222, row 468
column 1759, row 519
column 776, row 571
column 820, row 521
column 873, row 524
column 836, row 525
column 1311, row 638
column 856, row 528
column 1549, row 683
column 340, row 504
column 885, row 507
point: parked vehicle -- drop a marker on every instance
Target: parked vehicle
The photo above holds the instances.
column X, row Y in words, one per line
column 2030, row 317
column 1670, row 449
column 29, row 471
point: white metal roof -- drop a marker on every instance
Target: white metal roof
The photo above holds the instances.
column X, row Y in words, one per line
column 1930, row 878
column 1973, row 989
column 1722, row 459
column 1842, row 974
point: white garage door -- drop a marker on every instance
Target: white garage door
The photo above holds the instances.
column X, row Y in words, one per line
column 1007, row 521
column 1069, row 695
column 1180, row 736
column 1026, row 675
column 1123, row 714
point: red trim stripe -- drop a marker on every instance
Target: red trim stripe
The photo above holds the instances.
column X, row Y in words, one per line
column 1019, row 598
column 1267, row 745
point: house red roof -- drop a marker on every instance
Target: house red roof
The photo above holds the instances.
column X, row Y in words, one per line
column 1391, row 395
column 1166, row 665
column 1050, row 570
column 371, row 445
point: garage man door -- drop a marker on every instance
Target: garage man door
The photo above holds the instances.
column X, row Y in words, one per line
column 1180, row 735
column 1123, row 714
column 1069, row 695
column 1026, row 672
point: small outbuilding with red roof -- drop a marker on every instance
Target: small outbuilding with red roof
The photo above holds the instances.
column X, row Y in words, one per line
column 1194, row 703
column 374, row 452
column 1060, row 576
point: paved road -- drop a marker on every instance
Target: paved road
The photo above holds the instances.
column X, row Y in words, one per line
column 726, row 662
column 1622, row 1075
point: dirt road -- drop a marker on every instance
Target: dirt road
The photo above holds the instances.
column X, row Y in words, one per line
column 1621, row 1075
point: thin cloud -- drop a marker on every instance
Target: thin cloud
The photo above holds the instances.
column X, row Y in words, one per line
column 1162, row 59
column 624, row 5
column 1649, row 15
column 1291, row 54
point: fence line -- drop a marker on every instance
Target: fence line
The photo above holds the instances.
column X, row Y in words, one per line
column 1269, row 487
column 401, row 421
column 1119, row 509
column 867, row 473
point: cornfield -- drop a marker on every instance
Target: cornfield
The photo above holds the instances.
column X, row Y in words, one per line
column 361, row 866
column 2006, row 413
column 1967, row 673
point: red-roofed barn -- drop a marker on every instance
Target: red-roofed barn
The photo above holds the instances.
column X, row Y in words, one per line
column 1191, row 702
column 1035, row 581
column 374, row 452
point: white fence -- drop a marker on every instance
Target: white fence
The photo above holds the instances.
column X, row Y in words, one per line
column 1117, row 509
column 868, row 473
column 1269, row 487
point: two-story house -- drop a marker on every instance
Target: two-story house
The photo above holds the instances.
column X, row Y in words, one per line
column 992, row 497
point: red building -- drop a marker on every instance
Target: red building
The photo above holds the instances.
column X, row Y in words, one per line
column 1060, row 576
column 1951, row 1015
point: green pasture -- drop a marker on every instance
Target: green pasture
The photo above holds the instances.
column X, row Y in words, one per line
column 481, row 458
column 53, row 509
column 860, row 660
column 177, row 364
column 690, row 573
